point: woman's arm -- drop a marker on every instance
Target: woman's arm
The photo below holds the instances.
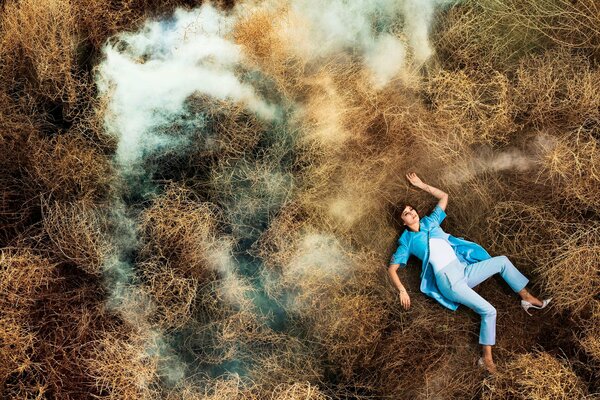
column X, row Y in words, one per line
column 404, row 297
column 440, row 195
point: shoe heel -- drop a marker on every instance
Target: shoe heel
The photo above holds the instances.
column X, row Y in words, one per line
column 526, row 306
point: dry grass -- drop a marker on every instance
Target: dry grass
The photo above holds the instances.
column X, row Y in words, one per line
column 16, row 345
column 558, row 89
column 182, row 230
column 565, row 23
column 39, row 44
column 25, row 275
column 78, row 171
column 312, row 193
column 422, row 343
column 267, row 46
column 122, row 368
column 477, row 107
column 572, row 277
column 536, row 375
column 590, row 339
column 78, row 234
column 572, row 166
column 563, row 254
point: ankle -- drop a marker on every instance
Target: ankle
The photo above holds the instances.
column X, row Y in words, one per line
column 533, row 300
column 528, row 297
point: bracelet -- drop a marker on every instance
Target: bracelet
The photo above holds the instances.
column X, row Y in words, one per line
column 402, row 290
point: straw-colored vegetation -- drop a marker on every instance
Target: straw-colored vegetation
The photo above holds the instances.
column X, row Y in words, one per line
column 259, row 265
column 535, row 376
column 77, row 234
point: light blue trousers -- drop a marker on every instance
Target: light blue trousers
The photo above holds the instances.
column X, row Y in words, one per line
column 456, row 281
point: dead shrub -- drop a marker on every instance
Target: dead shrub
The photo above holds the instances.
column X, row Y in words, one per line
column 474, row 34
column 526, row 233
column 338, row 310
column 564, row 254
column 275, row 242
column 24, row 278
column 565, row 23
column 79, row 234
column 17, row 204
column 289, row 360
column 479, row 109
column 231, row 131
column 78, row 171
column 183, row 231
column 262, row 36
column 328, row 291
column 174, row 294
column 71, row 316
column 252, row 189
column 401, row 350
column 16, row 348
column 572, row 165
column 53, row 313
column 536, row 375
column 499, row 33
column 297, row 391
column 223, row 388
column 572, row 276
column 589, row 340
column 233, row 388
column 39, row 48
column 122, row 367
column 557, row 88
column 314, row 189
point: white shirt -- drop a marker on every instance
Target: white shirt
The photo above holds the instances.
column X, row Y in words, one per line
column 440, row 253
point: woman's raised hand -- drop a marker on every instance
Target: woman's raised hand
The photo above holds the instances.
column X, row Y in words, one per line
column 414, row 179
column 404, row 299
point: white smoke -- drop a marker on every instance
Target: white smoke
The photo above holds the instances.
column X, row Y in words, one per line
column 148, row 75
column 385, row 59
column 318, row 254
column 381, row 32
column 418, row 15
column 146, row 78
column 486, row 159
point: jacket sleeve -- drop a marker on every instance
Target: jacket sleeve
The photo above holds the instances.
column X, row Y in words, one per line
column 437, row 215
column 401, row 254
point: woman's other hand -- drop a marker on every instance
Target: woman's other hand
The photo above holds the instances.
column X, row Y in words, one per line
column 414, row 179
column 404, row 299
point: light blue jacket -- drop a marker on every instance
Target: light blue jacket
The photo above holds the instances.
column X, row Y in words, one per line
column 417, row 244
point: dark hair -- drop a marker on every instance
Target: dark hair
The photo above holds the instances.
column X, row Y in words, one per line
column 395, row 212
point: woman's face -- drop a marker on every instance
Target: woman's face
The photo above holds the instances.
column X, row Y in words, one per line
column 409, row 216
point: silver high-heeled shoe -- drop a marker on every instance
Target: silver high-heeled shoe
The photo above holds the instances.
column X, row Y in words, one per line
column 527, row 305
